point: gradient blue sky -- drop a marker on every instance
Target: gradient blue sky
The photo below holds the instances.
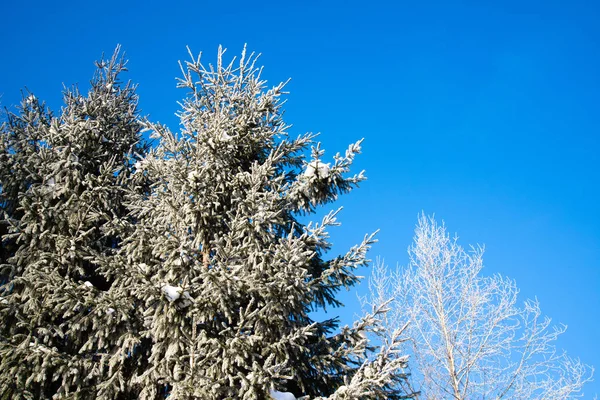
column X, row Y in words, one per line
column 484, row 113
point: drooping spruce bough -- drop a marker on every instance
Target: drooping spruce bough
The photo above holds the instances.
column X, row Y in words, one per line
column 179, row 269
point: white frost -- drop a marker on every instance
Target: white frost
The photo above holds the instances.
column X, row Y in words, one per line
column 37, row 349
column 342, row 390
column 144, row 267
column 310, row 170
column 276, row 395
column 225, row 137
column 88, row 284
column 193, row 176
column 174, row 293
column 183, row 257
column 318, row 169
column 138, row 166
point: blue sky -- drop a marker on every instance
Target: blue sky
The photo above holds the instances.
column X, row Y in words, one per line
column 484, row 113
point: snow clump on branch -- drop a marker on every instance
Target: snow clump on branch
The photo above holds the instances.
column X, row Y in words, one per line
column 318, row 169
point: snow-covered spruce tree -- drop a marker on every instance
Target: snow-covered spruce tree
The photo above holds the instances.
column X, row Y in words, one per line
column 65, row 330
column 188, row 274
column 225, row 273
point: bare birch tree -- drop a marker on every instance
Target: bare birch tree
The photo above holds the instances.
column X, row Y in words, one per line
column 469, row 338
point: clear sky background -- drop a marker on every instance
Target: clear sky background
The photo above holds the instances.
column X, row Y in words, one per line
column 485, row 113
